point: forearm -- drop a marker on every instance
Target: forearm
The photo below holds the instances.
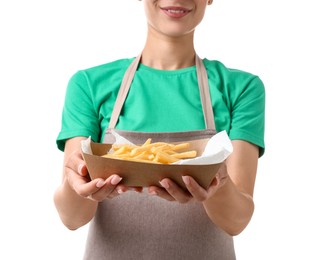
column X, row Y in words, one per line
column 74, row 210
column 230, row 209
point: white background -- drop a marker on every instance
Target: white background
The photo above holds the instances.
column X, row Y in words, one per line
column 42, row 43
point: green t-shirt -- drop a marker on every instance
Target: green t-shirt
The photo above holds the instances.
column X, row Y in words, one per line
column 163, row 101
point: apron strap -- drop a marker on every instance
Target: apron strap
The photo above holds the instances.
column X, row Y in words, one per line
column 202, row 82
column 123, row 91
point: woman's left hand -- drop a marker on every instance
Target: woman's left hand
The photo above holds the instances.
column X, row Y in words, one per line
column 173, row 192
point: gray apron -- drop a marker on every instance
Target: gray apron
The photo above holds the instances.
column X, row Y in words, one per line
column 143, row 227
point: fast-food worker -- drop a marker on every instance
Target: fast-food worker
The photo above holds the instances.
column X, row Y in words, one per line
column 169, row 92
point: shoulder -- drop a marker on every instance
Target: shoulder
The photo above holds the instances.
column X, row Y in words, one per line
column 106, row 69
column 232, row 79
column 116, row 64
column 220, row 69
column 93, row 80
column 244, row 95
column 101, row 74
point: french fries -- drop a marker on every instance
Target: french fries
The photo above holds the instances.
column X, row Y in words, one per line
column 152, row 152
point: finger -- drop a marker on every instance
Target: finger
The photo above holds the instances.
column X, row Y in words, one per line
column 74, row 179
column 220, row 178
column 160, row 192
column 76, row 163
column 197, row 192
column 175, row 191
column 82, row 169
column 109, row 188
column 86, row 189
column 136, row 189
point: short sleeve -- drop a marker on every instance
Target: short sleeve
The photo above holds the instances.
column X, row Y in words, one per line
column 248, row 114
column 79, row 118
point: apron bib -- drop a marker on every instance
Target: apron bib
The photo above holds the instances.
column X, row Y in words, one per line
column 141, row 137
column 139, row 226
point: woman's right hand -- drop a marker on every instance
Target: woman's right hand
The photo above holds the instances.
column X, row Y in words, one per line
column 77, row 197
column 78, row 178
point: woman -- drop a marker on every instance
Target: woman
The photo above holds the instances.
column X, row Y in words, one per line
column 164, row 95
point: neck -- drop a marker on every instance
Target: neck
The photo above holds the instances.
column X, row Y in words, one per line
column 168, row 53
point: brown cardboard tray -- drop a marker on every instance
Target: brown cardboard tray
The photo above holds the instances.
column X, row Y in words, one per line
column 139, row 174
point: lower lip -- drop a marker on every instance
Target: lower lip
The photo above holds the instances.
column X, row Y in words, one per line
column 174, row 14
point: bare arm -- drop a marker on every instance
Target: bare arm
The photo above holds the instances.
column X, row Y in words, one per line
column 228, row 201
column 231, row 206
column 76, row 199
column 74, row 210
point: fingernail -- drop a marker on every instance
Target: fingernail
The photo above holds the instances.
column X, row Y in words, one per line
column 100, row 183
column 153, row 193
column 164, row 183
column 132, row 189
column 115, row 180
column 218, row 179
column 79, row 168
column 120, row 191
column 186, row 180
